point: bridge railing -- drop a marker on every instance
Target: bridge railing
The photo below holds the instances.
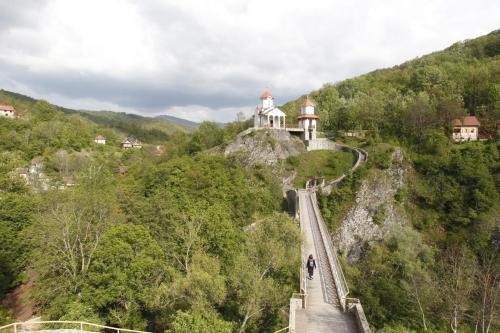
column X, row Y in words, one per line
column 303, row 276
column 338, row 274
column 18, row 326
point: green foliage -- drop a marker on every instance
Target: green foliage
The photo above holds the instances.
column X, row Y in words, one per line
column 262, row 277
column 459, row 185
column 321, row 163
column 16, row 214
column 208, row 135
column 339, row 200
column 425, row 93
column 203, row 322
column 126, row 265
column 393, row 276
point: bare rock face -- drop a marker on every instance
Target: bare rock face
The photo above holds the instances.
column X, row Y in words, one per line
column 374, row 211
column 265, row 146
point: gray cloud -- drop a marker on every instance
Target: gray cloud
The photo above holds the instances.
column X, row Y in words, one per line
column 209, row 59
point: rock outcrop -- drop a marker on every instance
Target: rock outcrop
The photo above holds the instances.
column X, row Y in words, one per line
column 265, row 146
column 374, row 211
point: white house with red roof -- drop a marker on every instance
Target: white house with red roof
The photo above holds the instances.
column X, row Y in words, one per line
column 307, row 119
column 7, row 111
column 100, row 140
column 466, row 129
column 267, row 115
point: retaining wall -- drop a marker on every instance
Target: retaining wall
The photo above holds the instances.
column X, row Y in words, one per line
column 321, row 144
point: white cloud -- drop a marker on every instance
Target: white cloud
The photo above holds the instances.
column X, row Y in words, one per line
column 218, row 54
column 201, row 113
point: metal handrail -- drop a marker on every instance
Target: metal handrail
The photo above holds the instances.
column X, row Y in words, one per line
column 338, row 274
column 81, row 323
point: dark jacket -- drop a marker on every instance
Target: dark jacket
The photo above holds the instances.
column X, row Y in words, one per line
column 309, row 266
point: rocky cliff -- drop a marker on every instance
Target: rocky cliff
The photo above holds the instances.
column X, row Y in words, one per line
column 375, row 209
column 268, row 147
column 265, row 146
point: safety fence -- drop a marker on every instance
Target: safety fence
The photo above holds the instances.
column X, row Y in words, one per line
column 78, row 326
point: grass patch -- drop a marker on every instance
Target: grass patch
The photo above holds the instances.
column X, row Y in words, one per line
column 322, row 163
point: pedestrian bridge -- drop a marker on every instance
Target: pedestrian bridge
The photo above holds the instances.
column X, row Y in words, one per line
column 323, row 304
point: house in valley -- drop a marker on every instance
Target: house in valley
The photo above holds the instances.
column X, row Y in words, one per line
column 7, row 111
column 131, row 142
column 466, row 129
column 100, row 140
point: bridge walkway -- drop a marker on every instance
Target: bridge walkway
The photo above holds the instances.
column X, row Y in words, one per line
column 323, row 312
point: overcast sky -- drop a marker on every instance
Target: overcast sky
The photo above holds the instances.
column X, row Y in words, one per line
column 207, row 60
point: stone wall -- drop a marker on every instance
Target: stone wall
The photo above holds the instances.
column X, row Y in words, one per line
column 361, row 320
column 321, row 144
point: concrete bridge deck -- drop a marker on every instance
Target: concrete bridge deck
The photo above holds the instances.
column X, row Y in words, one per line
column 323, row 312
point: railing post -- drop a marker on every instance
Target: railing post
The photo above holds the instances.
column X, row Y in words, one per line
column 81, row 327
column 15, row 327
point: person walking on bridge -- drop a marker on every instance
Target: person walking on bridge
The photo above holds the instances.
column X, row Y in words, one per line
column 311, row 265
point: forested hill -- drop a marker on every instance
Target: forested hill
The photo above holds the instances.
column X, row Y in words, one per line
column 144, row 128
column 428, row 255
column 427, row 92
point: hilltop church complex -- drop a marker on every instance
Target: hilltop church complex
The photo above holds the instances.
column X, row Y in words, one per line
column 269, row 116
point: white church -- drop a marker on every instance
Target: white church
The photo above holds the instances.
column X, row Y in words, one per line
column 269, row 116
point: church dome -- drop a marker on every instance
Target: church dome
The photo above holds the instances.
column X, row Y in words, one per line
column 266, row 94
column 308, row 102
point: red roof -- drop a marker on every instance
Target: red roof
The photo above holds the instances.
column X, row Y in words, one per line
column 471, row 121
column 266, row 94
column 308, row 102
column 7, row 108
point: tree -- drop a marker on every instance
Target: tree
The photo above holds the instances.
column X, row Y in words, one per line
column 488, row 290
column 65, row 236
column 128, row 265
column 267, row 254
column 202, row 322
column 457, row 284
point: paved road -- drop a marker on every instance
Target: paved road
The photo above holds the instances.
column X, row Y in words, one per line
column 323, row 312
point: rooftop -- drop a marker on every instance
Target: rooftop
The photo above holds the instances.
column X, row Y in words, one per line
column 467, row 121
column 7, row 107
column 266, row 94
column 308, row 102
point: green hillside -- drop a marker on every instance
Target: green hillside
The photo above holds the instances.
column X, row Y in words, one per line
column 435, row 272
column 427, row 92
column 146, row 129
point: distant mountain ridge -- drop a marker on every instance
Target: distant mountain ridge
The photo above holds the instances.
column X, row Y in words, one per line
column 126, row 123
column 180, row 121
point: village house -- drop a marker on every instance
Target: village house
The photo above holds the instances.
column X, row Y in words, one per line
column 7, row 111
column 267, row 115
column 69, row 181
column 131, row 142
column 23, row 173
column 100, row 140
column 36, row 165
column 466, row 129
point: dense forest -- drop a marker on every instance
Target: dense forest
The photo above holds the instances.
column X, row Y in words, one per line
column 175, row 237
column 149, row 238
column 441, row 270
